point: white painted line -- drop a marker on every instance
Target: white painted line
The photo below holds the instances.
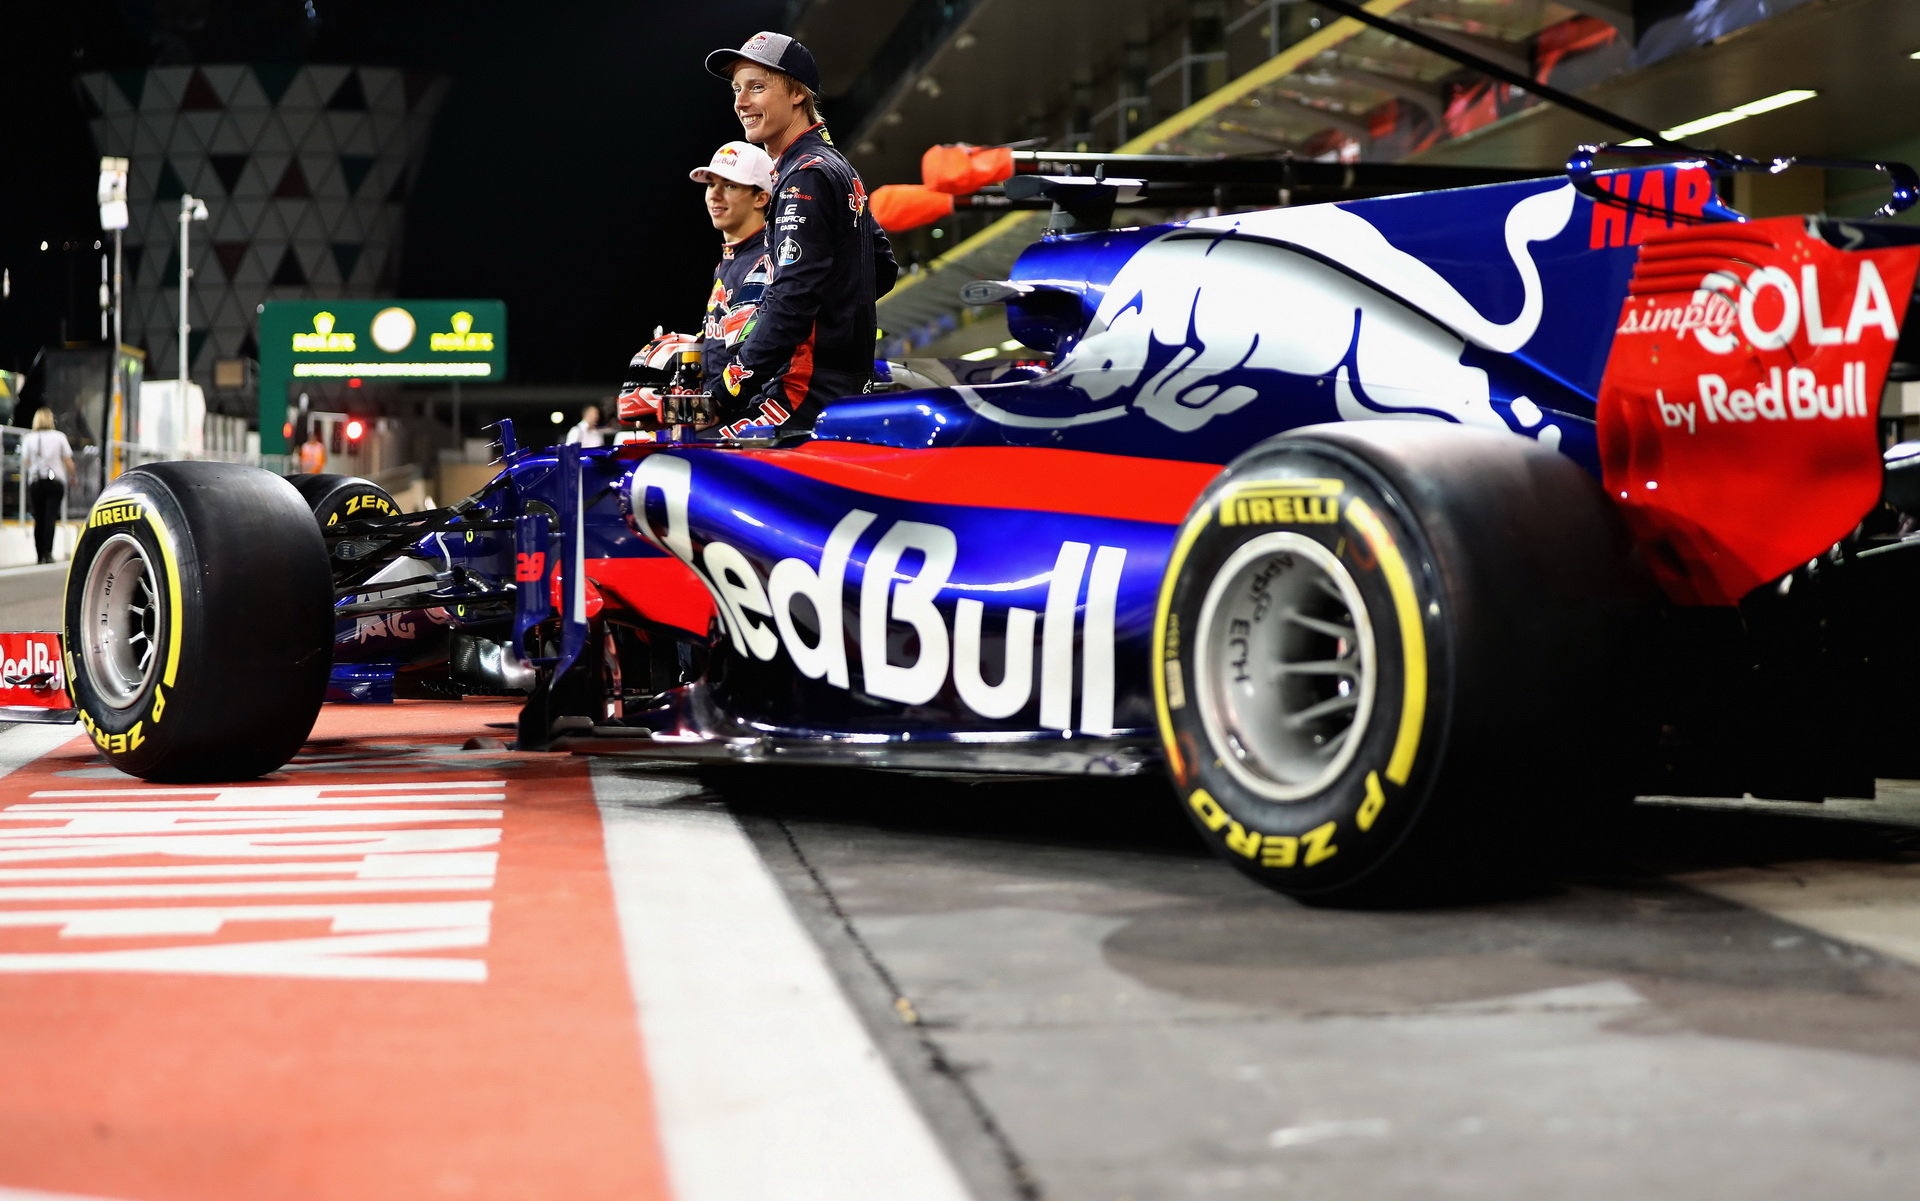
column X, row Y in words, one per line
column 21, row 1194
column 1873, row 905
column 23, row 742
column 765, row 1081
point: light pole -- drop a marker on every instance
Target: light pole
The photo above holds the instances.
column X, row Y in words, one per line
column 192, row 209
column 113, row 216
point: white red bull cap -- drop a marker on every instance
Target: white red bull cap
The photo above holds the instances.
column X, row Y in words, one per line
column 738, row 162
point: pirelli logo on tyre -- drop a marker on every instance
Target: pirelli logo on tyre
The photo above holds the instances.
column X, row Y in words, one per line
column 117, row 513
column 1285, row 502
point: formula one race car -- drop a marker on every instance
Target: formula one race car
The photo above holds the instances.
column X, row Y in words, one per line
column 1392, row 532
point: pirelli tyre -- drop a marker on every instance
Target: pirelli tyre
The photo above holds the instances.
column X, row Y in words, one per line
column 337, row 498
column 199, row 624
column 1388, row 658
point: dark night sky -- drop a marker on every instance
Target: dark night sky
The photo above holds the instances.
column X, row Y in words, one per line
column 556, row 179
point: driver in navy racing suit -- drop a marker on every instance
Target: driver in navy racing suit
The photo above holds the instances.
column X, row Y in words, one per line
column 739, row 186
column 811, row 340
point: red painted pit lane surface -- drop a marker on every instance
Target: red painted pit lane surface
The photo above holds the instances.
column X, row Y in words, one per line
column 320, row 985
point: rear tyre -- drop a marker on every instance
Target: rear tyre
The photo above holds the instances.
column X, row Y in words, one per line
column 199, row 622
column 1388, row 659
column 338, row 498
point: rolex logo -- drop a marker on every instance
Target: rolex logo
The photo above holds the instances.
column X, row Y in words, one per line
column 462, row 337
column 323, row 337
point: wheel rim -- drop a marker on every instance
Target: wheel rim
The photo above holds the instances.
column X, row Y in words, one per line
column 123, row 620
column 1286, row 665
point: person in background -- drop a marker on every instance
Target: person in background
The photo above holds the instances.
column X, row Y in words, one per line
column 313, row 454
column 811, row 341
column 587, row 433
column 46, row 459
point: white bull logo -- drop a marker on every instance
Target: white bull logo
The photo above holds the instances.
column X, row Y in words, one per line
column 1191, row 311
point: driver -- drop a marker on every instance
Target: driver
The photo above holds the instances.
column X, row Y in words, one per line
column 739, row 185
column 811, row 340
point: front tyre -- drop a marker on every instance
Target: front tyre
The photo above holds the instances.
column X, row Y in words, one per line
column 337, row 498
column 1387, row 656
column 199, row 623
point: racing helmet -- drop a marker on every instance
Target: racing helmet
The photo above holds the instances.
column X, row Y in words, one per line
column 652, row 366
column 648, row 375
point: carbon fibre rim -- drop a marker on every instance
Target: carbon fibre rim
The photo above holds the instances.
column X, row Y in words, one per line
column 1286, row 666
column 123, row 621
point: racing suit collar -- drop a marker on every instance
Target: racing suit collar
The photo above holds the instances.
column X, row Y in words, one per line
column 794, row 145
column 728, row 246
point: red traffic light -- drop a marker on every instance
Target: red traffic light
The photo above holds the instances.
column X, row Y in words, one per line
column 356, row 428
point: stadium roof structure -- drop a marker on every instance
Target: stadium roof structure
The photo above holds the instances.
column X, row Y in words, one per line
column 1270, row 78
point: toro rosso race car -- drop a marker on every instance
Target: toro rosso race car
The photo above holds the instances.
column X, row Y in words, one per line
column 1393, row 532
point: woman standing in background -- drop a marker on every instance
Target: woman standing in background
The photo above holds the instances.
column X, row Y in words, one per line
column 46, row 459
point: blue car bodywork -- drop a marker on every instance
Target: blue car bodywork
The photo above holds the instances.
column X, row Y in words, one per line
column 966, row 576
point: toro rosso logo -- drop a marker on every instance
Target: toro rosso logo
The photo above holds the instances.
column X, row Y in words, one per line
column 1175, row 334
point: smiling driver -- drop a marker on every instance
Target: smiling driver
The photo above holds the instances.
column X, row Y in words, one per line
column 811, row 341
column 739, row 187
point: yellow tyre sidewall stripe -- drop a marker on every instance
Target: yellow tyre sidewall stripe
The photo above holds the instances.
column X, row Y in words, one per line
column 169, row 565
column 171, row 562
column 1413, row 638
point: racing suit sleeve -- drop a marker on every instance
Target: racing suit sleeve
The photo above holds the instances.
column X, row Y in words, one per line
column 885, row 270
column 801, row 238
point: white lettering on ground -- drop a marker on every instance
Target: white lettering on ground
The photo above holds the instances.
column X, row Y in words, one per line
column 363, row 944
column 248, row 850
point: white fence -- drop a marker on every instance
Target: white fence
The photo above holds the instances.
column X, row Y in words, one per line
column 93, row 464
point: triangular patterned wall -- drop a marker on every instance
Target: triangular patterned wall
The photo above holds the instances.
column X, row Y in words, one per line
column 305, row 171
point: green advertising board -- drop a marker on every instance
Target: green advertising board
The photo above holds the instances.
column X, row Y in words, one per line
column 315, row 340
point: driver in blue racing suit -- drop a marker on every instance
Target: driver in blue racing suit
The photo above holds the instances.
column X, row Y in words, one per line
column 811, row 340
column 739, row 186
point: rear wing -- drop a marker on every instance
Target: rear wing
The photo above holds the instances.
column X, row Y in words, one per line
column 1738, row 416
column 1903, row 181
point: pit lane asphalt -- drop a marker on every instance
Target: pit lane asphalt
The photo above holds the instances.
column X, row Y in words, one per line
column 1086, row 1005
